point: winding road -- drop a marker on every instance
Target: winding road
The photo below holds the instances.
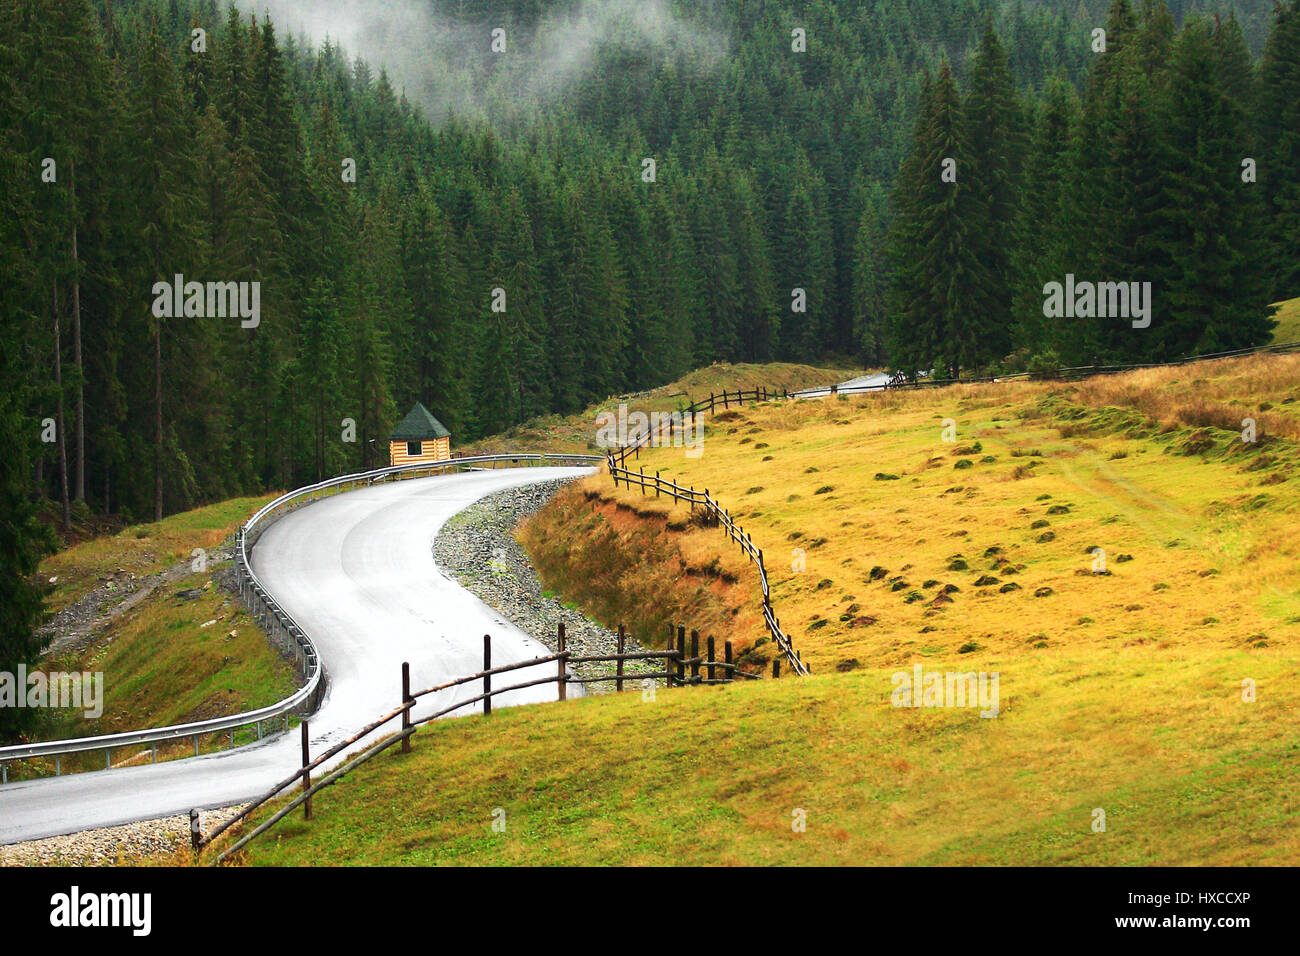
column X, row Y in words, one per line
column 870, row 380
column 356, row 571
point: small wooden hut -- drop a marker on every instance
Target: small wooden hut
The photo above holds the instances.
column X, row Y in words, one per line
column 420, row 437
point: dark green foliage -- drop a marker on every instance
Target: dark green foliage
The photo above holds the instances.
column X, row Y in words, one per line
column 1147, row 181
column 776, row 171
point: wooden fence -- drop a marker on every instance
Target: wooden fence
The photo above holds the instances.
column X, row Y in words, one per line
column 720, row 516
column 716, row 400
column 684, row 665
column 616, row 459
column 616, row 463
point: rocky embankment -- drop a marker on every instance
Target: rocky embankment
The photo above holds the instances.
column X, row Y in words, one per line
column 478, row 550
column 111, row 846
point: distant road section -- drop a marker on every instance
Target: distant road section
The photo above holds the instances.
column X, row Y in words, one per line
column 356, row 571
column 875, row 380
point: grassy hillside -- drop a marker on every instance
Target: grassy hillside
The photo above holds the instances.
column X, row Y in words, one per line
column 577, row 433
column 917, row 546
column 165, row 658
column 1120, row 691
column 628, row 562
column 714, row 776
column 1288, row 321
column 144, row 548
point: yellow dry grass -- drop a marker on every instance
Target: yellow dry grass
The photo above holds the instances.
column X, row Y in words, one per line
column 576, row 434
column 884, row 516
column 1123, row 692
column 630, row 563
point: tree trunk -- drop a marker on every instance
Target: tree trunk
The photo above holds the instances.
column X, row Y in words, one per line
column 157, row 421
column 80, row 486
column 58, row 387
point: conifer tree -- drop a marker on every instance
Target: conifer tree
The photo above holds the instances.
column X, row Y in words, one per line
column 1279, row 148
column 1215, row 296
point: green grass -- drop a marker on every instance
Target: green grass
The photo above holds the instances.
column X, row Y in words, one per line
column 1120, row 692
column 161, row 665
column 1288, row 321
column 144, row 548
column 718, row 773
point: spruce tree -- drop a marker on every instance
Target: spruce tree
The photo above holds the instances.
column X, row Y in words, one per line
column 990, row 182
column 1215, row 295
column 1279, row 149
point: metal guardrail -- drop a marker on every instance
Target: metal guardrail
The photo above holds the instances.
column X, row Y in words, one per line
column 281, row 629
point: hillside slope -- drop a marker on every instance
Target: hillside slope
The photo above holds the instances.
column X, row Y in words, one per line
column 1159, row 693
column 172, row 644
column 715, row 775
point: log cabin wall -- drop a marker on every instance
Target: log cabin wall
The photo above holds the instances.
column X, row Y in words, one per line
column 433, row 449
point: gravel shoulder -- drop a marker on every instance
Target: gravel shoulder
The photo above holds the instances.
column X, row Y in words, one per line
column 113, row 846
column 477, row 549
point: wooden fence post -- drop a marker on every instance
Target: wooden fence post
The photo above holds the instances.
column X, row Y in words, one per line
column 776, row 667
column 726, row 653
column 487, row 678
column 668, row 661
column 622, row 639
column 657, row 483
column 306, row 774
column 643, row 483
column 681, row 654
column 560, row 670
column 711, row 659
column 406, row 699
column 695, row 654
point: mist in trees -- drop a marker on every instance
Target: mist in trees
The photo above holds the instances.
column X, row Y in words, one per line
column 483, row 234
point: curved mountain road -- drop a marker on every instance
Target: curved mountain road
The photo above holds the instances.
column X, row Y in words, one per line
column 870, row 380
column 356, row 571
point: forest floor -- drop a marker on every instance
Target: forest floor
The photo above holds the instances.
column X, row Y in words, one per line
column 1146, row 694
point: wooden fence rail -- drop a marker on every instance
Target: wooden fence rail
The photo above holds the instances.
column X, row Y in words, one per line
column 616, row 462
column 674, row 656
column 616, row 459
column 722, row 518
